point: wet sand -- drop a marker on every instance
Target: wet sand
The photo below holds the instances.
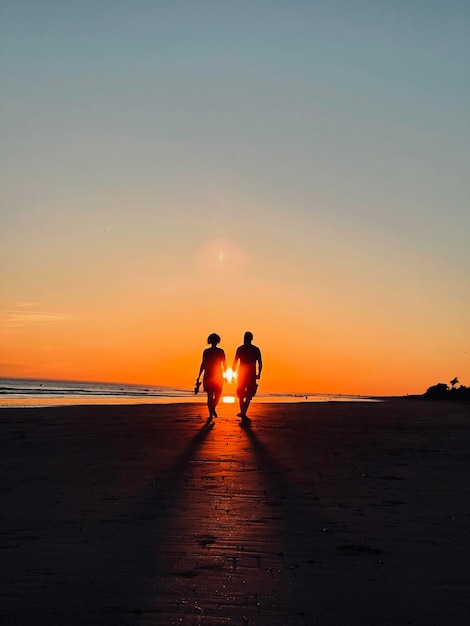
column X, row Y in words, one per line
column 320, row 513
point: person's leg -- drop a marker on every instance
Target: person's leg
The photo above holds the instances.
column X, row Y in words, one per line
column 216, row 400
column 247, row 404
column 210, row 403
column 244, row 404
column 244, row 408
column 250, row 391
column 240, row 394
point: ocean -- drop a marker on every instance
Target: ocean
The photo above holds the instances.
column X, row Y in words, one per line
column 23, row 392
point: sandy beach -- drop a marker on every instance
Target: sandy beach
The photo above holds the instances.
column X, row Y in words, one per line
column 320, row 513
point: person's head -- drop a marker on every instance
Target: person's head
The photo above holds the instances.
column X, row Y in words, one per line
column 248, row 337
column 213, row 339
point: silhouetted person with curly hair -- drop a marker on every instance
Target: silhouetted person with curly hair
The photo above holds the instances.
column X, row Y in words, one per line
column 213, row 365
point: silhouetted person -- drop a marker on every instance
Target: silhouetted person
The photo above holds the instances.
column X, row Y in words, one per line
column 249, row 371
column 213, row 365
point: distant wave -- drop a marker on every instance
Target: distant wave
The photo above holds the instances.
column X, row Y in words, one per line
column 12, row 391
column 92, row 392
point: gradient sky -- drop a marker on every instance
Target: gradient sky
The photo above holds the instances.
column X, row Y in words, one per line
column 294, row 168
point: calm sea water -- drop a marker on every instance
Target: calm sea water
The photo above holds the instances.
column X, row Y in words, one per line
column 21, row 392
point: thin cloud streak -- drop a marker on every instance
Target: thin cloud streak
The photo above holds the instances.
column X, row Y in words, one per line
column 18, row 318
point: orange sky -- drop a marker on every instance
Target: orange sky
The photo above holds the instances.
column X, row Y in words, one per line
column 155, row 333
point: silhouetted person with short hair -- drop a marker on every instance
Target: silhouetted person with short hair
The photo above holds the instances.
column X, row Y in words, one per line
column 213, row 365
column 249, row 371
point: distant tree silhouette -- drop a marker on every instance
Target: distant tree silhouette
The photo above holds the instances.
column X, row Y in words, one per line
column 441, row 391
column 437, row 391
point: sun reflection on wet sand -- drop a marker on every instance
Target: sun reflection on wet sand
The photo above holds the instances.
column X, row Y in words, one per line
column 227, row 526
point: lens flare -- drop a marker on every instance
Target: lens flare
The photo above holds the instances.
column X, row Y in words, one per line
column 221, row 255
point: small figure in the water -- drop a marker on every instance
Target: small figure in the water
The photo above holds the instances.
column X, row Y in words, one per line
column 249, row 372
column 213, row 365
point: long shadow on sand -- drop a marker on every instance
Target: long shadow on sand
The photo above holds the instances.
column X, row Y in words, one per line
column 303, row 535
column 199, row 549
column 99, row 563
column 144, row 545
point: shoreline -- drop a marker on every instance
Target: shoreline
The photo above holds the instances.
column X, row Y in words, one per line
column 50, row 402
column 328, row 513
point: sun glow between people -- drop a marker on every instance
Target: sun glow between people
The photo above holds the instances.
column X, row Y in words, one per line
column 229, row 375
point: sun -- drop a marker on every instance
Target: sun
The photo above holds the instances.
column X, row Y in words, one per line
column 229, row 375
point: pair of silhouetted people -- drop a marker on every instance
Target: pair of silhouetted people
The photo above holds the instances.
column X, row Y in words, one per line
column 214, row 365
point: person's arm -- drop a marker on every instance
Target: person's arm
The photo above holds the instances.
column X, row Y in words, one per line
column 198, row 382
column 260, row 365
column 201, row 369
column 235, row 361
